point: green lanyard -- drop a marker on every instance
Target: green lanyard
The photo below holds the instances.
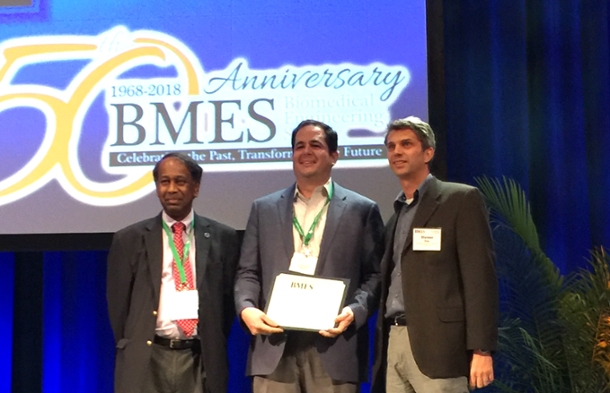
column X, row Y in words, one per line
column 172, row 246
column 307, row 238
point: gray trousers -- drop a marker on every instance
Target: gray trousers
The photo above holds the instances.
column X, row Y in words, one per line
column 175, row 371
column 300, row 371
column 403, row 374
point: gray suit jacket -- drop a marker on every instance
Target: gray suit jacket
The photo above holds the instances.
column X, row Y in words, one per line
column 350, row 249
column 450, row 296
column 133, row 285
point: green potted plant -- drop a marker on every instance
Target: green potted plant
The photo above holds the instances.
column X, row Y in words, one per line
column 554, row 329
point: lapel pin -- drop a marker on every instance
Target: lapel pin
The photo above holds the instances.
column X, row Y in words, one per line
column 207, row 234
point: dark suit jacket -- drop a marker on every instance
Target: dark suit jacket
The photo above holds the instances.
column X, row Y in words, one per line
column 133, row 285
column 350, row 249
column 450, row 296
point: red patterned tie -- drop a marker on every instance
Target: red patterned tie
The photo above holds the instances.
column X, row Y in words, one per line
column 187, row 325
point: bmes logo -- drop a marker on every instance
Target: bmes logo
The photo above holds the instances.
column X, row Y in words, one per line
column 157, row 99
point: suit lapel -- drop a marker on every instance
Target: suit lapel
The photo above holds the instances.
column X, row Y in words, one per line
column 427, row 206
column 153, row 242
column 202, row 247
column 285, row 211
column 336, row 208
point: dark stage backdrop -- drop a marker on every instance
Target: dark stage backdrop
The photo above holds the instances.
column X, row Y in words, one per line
column 527, row 97
column 527, row 91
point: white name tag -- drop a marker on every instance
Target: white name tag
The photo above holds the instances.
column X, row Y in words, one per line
column 301, row 263
column 426, row 239
column 184, row 305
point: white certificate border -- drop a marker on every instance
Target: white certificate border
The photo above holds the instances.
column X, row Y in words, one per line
column 345, row 281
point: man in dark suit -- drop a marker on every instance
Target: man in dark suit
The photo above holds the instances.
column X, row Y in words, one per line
column 345, row 230
column 169, row 290
column 437, row 323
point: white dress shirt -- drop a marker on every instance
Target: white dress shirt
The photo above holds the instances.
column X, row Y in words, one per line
column 306, row 210
column 165, row 326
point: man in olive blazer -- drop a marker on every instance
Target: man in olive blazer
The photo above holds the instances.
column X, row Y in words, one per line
column 450, row 295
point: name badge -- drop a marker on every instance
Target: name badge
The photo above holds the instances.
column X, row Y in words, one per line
column 426, row 239
column 302, row 263
column 184, row 305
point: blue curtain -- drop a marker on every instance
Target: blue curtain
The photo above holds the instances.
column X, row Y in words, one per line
column 7, row 263
column 78, row 348
column 527, row 91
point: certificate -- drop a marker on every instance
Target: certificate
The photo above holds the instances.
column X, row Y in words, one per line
column 300, row 302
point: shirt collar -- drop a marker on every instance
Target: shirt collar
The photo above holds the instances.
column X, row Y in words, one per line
column 186, row 221
column 401, row 199
column 323, row 190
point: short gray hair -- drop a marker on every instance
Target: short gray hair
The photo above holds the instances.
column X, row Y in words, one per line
column 418, row 126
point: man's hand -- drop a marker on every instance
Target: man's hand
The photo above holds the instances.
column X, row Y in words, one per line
column 481, row 370
column 342, row 321
column 258, row 322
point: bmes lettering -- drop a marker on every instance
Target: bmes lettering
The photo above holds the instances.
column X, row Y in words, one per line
column 221, row 109
column 300, row 285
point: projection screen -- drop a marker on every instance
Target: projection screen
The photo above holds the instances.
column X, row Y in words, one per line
column 93, row 93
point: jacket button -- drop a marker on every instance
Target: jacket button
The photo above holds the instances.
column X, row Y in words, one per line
column 155, row 313
column 149, row 343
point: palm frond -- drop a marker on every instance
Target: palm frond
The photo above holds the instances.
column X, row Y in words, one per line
column 554, row 330
column 585, row 311
column 507, row 199
column 530, row 286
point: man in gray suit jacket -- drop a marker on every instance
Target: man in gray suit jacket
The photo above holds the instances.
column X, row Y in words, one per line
column 314, row 227
column 437, row 323
column 170, row 297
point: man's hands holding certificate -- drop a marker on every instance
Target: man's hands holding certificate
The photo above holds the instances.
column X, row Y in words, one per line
column 259, row 323
column 342, row 321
